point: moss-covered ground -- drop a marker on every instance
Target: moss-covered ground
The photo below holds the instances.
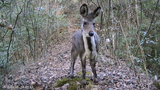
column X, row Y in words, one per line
column 74, row 83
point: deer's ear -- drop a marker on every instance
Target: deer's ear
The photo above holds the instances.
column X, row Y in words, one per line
column 84, row 10
column 96, row 12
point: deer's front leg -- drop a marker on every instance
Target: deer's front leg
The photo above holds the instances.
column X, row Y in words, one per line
column 83, row 62
column 93, row 66
column 74, row 55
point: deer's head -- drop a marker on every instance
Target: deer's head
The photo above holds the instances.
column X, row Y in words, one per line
column 87, row 22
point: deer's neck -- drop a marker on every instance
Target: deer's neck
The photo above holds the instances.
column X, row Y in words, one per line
column 89, row 46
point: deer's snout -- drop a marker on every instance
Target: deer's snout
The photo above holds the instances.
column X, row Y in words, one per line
column 91, row 33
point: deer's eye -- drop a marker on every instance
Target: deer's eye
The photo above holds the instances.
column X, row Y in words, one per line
column 94, row 24
column 84, row 23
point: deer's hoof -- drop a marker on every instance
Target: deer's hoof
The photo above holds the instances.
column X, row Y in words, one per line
column 84, row 82
column 95, row 80
column 71, row 76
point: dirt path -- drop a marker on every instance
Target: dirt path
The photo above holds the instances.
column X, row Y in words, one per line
column 56, row 65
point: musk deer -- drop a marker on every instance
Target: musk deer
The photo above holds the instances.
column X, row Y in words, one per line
column 86, row 43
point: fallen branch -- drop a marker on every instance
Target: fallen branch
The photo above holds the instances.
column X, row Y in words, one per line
column 7, row 26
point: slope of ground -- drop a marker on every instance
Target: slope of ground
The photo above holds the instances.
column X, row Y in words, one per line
column 47, row 71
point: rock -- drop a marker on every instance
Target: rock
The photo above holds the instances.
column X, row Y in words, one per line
column 119, row 74
column 118, row 84
column 65, row 86
column 10, row 77
column 114, row 73
column 44, row 79
column 78, row 83
column 110, row 88
column 32, row 82
column 94, row 87
column 102, row 83
column 39, row 64
column 101, row 77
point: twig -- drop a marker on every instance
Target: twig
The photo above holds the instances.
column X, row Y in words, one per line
column 98, row 2
column 62, row 60
column 17, row 18
column 94, row 3
column 4, row 35
column 151, row 20
column 12, row 36
column 9, row 45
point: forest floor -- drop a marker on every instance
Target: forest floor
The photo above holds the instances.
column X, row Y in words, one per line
column 54, row 68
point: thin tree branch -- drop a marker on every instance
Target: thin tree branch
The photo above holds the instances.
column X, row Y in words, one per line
column 9, row 46
column 151, row 19
column 17, row 18
column 98, row 2
column 12, row 36
column 94, row 3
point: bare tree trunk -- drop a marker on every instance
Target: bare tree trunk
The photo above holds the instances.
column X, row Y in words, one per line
column 141, row 11
column 109, row 13
column 137, row 16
